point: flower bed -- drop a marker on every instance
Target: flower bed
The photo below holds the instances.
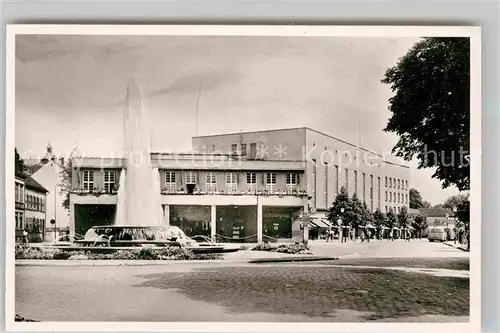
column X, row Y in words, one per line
column 167, row 253
column 296, row 248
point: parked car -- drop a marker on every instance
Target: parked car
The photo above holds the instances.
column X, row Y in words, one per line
column 437, row 234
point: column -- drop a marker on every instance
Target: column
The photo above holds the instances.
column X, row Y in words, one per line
column 213, row 222
column 166, row 214
column 259, row 219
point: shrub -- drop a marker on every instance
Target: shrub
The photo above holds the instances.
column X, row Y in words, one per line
column 296, row 248
column 167, row 253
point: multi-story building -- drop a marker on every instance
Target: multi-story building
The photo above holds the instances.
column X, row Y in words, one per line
column 245, row 186
column 19, row 207
column 330, row 164
column 35, row 210
column 48, row 172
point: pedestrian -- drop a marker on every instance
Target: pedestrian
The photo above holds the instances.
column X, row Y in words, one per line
column 362, row 236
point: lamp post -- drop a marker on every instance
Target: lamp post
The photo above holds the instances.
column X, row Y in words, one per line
column 455, row 225
column 341, row 225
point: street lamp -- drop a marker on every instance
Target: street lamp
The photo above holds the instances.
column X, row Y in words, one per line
column 455, row 224
column 341, row 226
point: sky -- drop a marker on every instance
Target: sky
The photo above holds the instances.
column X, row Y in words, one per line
column 70, row 90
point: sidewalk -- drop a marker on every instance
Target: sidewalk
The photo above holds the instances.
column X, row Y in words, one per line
column 459, row 246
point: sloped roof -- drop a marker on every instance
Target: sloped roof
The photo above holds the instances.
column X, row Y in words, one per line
column 436, row 212
column 33, row 184
column 31, row 169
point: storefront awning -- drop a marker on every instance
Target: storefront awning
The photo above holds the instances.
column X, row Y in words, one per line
column 319, row 223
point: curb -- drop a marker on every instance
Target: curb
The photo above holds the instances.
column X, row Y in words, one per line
column 294, row 259
column 86, row 263
column 457, row 247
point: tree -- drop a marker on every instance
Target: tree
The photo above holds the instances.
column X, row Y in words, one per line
column 426, row 204
column 366, row 217
column 66, row 183
column 18, row 165
column 341, row 201
column 439, row 206
column 403, row 218
column 463, row 215
column 416, row 201
column 430, row 108
column 419, row 224
column 455, row 201
column 378, row 221
column 355, row 216
column 390, row 221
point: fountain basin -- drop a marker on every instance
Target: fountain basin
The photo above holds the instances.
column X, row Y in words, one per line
column 111, row 238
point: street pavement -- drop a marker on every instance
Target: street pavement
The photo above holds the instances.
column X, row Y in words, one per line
column 356, row 288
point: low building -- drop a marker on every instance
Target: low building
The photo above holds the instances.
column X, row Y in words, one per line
column 438, row 217
column 204, row 194
column 35, row 210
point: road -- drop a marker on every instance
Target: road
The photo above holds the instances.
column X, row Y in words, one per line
column 341, row 291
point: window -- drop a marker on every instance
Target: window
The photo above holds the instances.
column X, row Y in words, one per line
column 243, row 149
column 347, row 180
column 363, row 191
column 399, row 198
column 17, row 196
column 211, row 181
column 336, row 180
column 355, row 181
column 390, row 196
column 386, row 183
column 43, row 204
column 252, row 182
column 234, row 149
column 313, row 199
column 109, row 180
column 253, row 150
column 88, row 180
column 170, row 182
column 271, row 182
column 190, row 177
column 231, row 182
column 326, row 185
column 390, row 182
column 406, row 184
column 291, row 182
column 386, row 210
column 379, row 193
column 386, row 196
column 371, row 192
column 399, row 184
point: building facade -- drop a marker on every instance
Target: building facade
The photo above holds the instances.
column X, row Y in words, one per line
column 211, row 195
column 35, row 210
column 330, row 164
column 48, row 172
column 19, row 207
column 245, row 186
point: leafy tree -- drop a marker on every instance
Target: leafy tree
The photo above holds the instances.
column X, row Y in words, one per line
column 419, row 223
column 341, row 201
column 430, row 109
column 416, row 201
column 66, row 183
column 355, row 216
column 426, row 204
column 455, row 201
column 378, row 221
column 439, row 206
column 390, row 221
column 366, row 217
column 403, row 218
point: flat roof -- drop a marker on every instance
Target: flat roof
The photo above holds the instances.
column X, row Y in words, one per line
column 306, row 129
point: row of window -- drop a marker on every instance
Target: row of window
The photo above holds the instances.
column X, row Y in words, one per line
column 243, row 149
column 231, row 181
column 35, row 203
column 109, row 180
column 34, row 224
column 396, row 183
column 395, row 210
column 391, row 197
